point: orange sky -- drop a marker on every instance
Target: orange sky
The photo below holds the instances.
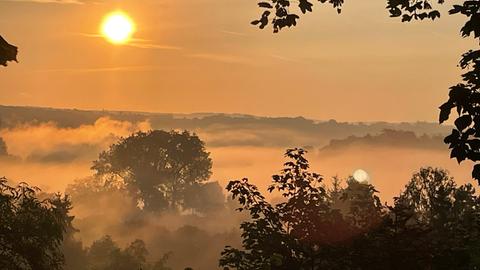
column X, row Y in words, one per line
column 203, row 56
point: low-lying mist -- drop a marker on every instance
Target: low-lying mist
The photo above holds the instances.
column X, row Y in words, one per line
column 54, row 158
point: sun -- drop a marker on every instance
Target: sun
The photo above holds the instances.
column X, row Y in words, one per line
column 118, row 27
column 361, row 176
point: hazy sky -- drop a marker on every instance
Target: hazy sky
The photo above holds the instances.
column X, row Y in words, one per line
column 204, row 56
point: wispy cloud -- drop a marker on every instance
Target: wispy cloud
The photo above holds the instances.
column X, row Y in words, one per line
column 150, row 44
column 283, row 58
column 224, row 58
column 233, row 33
column 52, row 1
column 88, row 35
column 102, row 69
column 138, row 43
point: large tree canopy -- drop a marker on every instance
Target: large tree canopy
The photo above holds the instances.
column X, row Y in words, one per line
column 157, row 167
column 31, row 229
column 8, row 52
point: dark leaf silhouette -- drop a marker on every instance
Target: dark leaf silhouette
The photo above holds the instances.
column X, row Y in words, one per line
column 265, row 5
column 8, row 52
column 305, row 6
column 463, row 122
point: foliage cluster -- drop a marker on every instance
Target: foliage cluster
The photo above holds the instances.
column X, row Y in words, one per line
column 432, row 224
column 105, row 254
column 31, row 229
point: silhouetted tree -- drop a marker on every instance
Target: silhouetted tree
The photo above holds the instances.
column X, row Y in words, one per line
column 156, row 166
column 161, row 264
column 433, row 225
column 204, row 198
column 448, row 214
column 104, row 254
column 31, row 229
column 3, row 148
column 361, row 206
column 74, row 253
column 135, row 256
column 301, row 233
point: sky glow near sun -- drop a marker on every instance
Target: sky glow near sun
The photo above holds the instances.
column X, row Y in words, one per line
column 117, row 27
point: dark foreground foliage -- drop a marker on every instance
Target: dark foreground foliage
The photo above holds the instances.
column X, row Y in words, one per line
column 31, row 229
column 433, row 224
column 8, row 52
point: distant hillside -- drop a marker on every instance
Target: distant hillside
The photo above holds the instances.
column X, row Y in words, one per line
column 221, row 129
column 388, row 139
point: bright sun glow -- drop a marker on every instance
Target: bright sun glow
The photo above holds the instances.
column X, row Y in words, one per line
column 361, row 176
column 118, row 27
